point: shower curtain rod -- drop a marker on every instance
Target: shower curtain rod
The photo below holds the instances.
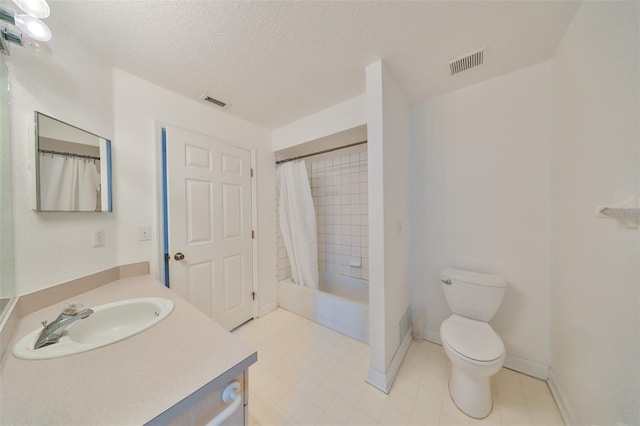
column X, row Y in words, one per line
column 319, row 152
column 69, row 154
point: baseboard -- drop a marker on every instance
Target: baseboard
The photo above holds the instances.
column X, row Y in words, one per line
column 530, row 368
column 432, row 336
column 561, row 400
column 377, row 379
column 396, row 362
column 269, row 307
column 521, row 365
column 384, row 381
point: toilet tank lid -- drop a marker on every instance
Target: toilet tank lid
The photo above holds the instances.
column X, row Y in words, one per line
column 473, row 277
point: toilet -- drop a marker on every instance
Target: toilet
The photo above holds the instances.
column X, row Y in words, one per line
column 475, row 350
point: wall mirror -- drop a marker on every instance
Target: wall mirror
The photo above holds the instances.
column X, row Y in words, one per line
column 73, row 168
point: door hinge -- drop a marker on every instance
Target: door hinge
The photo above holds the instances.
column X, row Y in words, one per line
column 253, row 294
column 251, row 172
column 253, row 234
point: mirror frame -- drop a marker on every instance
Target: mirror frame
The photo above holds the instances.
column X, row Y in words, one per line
column 105, row 163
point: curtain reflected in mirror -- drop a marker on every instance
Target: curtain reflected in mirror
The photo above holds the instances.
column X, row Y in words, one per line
column 7, row 287
column 69, row 183
column 73, row 168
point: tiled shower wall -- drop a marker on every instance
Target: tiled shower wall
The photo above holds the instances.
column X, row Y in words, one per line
column 339, row 186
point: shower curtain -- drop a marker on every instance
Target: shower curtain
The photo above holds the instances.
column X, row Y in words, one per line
column 298, row 223
column 68, row 183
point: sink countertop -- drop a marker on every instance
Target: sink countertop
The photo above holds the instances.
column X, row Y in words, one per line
column 128, row 382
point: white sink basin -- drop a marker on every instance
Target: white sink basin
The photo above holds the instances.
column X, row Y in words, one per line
column 108, row 324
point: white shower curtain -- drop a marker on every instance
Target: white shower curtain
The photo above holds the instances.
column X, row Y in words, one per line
column 298, row 223
column 68, row 184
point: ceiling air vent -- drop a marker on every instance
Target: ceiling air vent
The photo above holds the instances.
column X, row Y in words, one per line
column 215, row 101
column 467, row 61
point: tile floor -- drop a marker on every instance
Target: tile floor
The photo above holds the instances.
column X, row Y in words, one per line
column 307, row 374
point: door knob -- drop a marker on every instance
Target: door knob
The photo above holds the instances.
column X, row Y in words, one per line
column 178, row 256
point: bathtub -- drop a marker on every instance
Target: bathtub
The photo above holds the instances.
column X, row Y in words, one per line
column 342, row 303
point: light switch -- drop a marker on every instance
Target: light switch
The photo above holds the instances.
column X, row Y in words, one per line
column 98, row 237
column 144, row 233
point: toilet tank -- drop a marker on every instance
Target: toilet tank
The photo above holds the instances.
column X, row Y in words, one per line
column 472, row 294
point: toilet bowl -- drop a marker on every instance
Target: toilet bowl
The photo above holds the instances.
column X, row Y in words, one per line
column 476, row 353
column 475, row 350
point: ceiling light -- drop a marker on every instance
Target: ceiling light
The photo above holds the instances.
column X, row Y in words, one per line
column 33, row 27
column 36, row 8
column 34, row 31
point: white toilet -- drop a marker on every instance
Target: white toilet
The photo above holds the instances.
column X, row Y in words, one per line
column 476, row 352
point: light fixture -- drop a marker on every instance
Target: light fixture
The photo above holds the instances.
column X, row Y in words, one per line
column 33, row 27
column 36, row 8
column 29, row 24
column 5, row 37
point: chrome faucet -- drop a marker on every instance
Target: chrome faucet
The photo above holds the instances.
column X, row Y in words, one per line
column 51, row 332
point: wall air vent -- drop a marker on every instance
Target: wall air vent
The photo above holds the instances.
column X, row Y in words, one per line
column 467, row 61
column 213, row 100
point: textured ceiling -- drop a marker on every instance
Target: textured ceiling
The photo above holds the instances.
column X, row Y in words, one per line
column 276, row 62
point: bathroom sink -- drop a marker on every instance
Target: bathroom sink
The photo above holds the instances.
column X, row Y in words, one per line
column 108, row 324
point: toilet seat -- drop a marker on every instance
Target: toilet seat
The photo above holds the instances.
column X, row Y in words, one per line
column 473, row 340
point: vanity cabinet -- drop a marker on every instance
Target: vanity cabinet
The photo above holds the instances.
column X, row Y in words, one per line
column 206, row 405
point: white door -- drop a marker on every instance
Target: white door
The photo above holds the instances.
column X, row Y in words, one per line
column 209, row 215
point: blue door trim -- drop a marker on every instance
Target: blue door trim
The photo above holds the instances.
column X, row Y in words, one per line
column 165, row 207
column 108, row 150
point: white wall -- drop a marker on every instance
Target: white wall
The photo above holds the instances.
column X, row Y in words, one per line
column 337, row 118
column 140, row 108
column 480, row 201
column 75, row 87
column 388, row 133
column 595, row 274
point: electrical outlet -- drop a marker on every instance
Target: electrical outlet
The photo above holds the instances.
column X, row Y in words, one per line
column 98, row 237
column 144, row 233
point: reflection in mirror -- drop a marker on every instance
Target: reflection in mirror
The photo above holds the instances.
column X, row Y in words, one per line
column 73, row 168
column 7, row 285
